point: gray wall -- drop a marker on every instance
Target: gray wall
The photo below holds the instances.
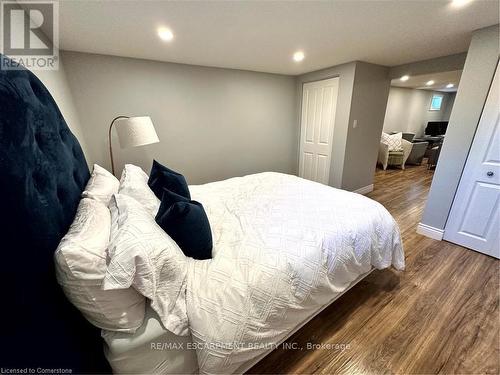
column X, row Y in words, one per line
column 408, row 110
column 57, row 83
column 450, row 102
column 212, row 123
column 476, row 78
column 436, row 65
column 369, row 100
column 363, row 91
column 345, row 72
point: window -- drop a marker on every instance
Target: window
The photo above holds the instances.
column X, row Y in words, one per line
column 436, row 102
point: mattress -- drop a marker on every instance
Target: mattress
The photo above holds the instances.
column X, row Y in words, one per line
column 154, row 350
column 150, row 350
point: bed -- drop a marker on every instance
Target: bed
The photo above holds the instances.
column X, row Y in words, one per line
column 284, row 249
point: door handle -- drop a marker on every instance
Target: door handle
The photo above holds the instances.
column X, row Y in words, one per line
column 489, row 173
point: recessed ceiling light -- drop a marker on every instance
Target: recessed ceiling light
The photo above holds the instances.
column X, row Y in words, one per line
column 429, row 83
column 165, row 34
column 460, row 3
column 405, row 78
column 450, row 85
column 298, row 56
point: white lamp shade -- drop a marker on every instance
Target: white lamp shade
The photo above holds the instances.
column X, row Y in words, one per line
column 136, row 131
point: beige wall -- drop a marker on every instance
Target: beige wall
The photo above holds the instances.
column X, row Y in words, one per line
column 408, row 110
column 212, row 123
column 482, row 59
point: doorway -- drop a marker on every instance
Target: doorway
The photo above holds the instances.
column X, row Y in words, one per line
column 416, row 120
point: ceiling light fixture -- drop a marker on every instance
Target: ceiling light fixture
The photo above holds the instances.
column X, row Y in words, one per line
column 165, row 34
column 460, row 3
column 450, row 85
column 298, row 56
column 429, row 83
column 405, row 78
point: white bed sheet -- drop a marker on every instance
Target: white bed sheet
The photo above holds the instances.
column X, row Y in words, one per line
column 284, row 246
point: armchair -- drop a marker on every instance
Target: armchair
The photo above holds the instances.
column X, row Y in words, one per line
column 434, row 156
column 417, row 153
column 386, row 157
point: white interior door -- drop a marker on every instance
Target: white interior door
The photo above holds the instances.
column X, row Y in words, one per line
column 474, row 217
column 319, row 103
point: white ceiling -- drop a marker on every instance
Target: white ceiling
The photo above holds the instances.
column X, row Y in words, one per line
column 440, row 81
column 262, row 35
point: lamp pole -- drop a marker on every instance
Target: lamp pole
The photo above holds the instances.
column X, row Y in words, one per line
column 110, row 144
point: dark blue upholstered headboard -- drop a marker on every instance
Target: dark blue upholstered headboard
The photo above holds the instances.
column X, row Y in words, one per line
column 42, row 174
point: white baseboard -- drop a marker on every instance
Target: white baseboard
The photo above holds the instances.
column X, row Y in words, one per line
column 431, row 232
column 364, row 190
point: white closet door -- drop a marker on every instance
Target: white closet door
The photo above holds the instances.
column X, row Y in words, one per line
column 474, row 217
column 319, row 103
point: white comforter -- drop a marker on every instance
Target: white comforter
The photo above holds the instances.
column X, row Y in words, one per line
column 283, row 247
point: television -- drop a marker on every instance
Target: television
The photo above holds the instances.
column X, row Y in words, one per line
column 434, row 128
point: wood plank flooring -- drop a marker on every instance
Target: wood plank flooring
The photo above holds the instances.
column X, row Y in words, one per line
column 440, row 315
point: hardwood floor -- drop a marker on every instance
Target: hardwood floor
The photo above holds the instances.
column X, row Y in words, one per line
column 440, row 315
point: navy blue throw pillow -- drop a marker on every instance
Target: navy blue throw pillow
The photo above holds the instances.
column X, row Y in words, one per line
column 162, row 177
column 187, row 223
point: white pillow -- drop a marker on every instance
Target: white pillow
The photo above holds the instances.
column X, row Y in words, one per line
column 142, row 255
column 134, row 183
column 101, row 185
column 393, row 141
column 80, row 268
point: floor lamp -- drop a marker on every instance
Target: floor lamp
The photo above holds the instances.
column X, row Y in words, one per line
column 132, row 132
